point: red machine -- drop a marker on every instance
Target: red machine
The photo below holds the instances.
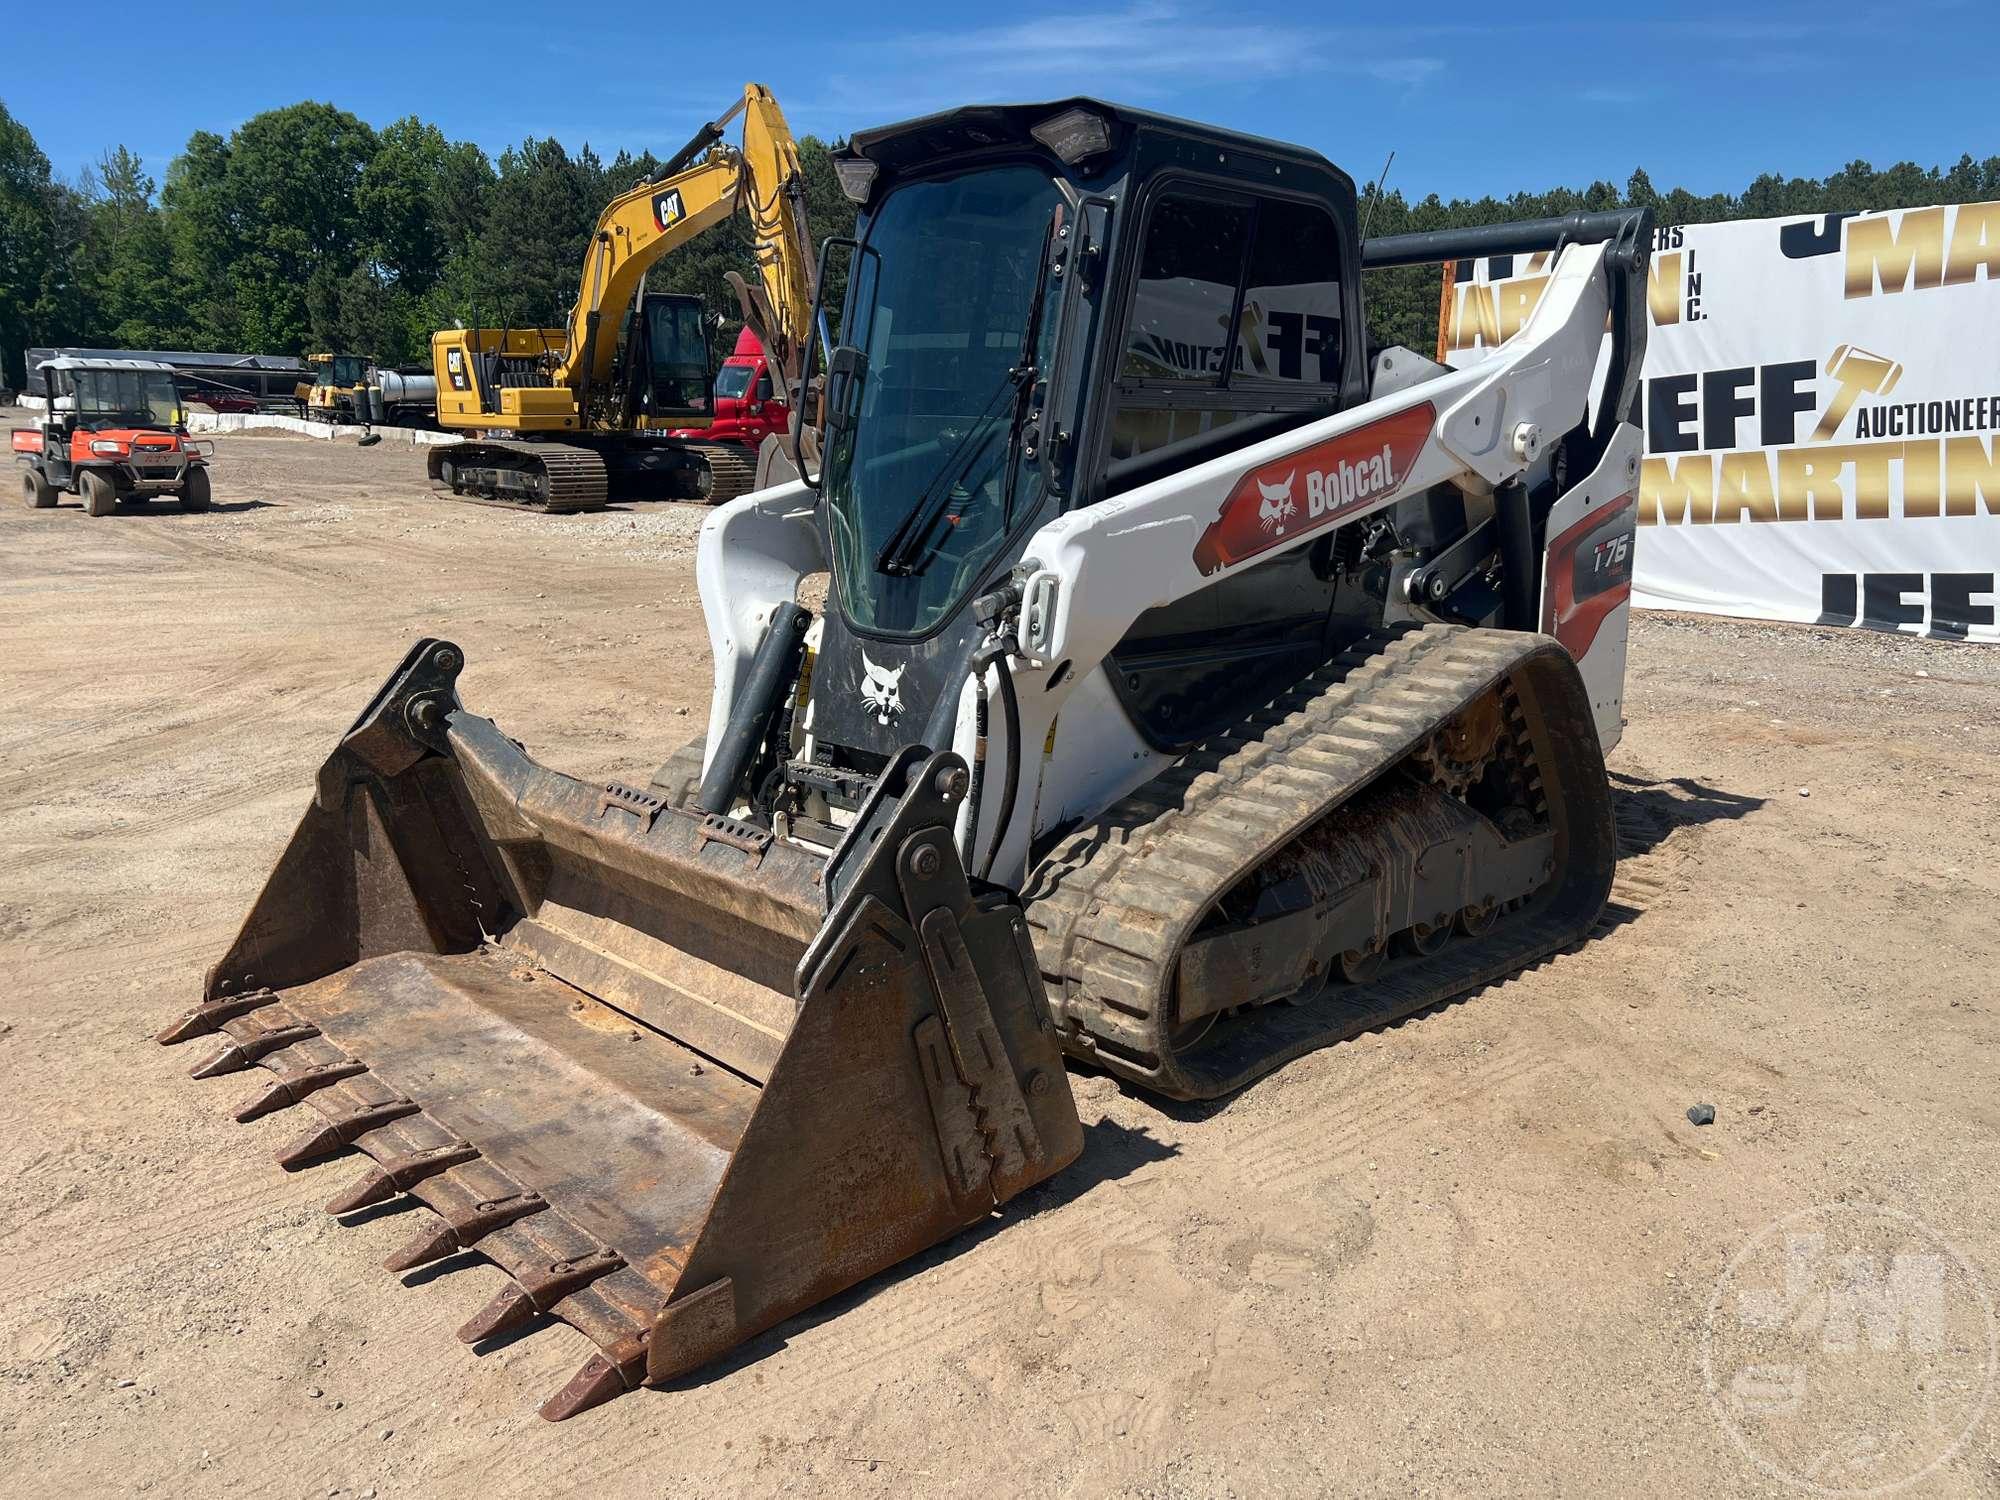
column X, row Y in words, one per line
column 750, row 402
column 112, row 433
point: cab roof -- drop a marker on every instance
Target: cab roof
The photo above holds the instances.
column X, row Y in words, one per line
column 908, row 143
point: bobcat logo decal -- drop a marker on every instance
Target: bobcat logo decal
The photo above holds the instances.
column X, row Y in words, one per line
column 882, row 691
column 1275, row 505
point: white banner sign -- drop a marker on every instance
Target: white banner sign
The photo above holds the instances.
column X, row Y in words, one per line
column 1821, row 399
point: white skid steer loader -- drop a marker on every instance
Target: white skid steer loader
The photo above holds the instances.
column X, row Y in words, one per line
column 1193, row 688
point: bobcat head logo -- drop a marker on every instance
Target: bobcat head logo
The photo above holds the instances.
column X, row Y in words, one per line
column 1277, row 506
column 882, row 691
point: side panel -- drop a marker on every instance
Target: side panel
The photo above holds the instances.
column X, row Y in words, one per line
column 1587, row 577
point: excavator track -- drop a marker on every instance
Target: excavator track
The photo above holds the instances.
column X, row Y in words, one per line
column 1325, row 777
column 732, row 470
column 571, row 479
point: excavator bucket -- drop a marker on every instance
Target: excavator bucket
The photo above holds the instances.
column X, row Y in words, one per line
column 678, row 1079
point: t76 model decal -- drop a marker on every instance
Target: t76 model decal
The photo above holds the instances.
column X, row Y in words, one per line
column 1589, row 572
column 1284, row 498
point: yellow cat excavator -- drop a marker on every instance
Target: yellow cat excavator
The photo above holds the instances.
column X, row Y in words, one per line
column 567, row 419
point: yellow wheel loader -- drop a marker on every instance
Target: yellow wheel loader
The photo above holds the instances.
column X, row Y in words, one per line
column 353, row 388
column 1195, row 686
column 569, row 419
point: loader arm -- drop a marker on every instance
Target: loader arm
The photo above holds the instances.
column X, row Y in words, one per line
column 1104, row 565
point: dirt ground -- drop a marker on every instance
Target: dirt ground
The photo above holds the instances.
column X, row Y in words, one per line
column 1475, row 1253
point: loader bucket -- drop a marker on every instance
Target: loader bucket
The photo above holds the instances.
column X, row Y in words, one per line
column 676, row 1077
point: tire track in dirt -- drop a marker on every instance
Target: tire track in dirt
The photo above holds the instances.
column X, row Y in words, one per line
column 118, row 714
column 1318, row 1141
column 231, row 698
column 142, row 1239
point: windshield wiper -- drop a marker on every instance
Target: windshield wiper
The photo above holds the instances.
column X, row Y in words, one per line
column 908, row 545
column 905, row 546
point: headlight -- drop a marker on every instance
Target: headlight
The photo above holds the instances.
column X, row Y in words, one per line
column 107, row 447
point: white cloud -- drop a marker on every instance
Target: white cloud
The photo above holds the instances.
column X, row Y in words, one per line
column 1148, row 51
column 1405, row 72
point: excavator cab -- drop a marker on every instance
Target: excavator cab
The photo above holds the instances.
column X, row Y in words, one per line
column 670, row 361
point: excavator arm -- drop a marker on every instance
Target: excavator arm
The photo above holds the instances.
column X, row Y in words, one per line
column 779, row 307
column 662, row 213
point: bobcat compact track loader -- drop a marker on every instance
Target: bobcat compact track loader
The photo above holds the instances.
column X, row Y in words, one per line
column 1192, row 690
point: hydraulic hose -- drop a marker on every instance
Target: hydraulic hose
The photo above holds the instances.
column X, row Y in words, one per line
column 981, row 715
column 994, row 654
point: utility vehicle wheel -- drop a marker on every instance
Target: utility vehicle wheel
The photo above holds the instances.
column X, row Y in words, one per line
column 36, row 490
column 100, row 495
column 194, row 490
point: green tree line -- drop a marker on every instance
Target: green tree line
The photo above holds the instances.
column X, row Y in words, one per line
column 308, row 229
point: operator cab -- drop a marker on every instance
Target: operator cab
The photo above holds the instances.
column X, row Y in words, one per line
column 340, row 372
column 665, row 358
column 1047, row 305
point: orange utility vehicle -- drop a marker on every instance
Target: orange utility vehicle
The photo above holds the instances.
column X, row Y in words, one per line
column 112, row 431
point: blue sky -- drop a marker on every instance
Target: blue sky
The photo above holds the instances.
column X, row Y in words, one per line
column 1472, row 100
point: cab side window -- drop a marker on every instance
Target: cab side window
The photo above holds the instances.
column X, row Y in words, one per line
column 1291, row 298
column 1237, row 312
column 1188, row 274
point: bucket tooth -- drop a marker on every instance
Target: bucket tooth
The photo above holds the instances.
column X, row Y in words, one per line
column 289, row 1091
column 399, row 1174
column 598, row 1381
column 341, row 1130
column 537, row 1289
column 209, row 1016
column 510, row 1308
column 236, row 1056
column 462, row 1232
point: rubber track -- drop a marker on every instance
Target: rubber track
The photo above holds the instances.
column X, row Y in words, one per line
column 1112, row 906
column 576, row 476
